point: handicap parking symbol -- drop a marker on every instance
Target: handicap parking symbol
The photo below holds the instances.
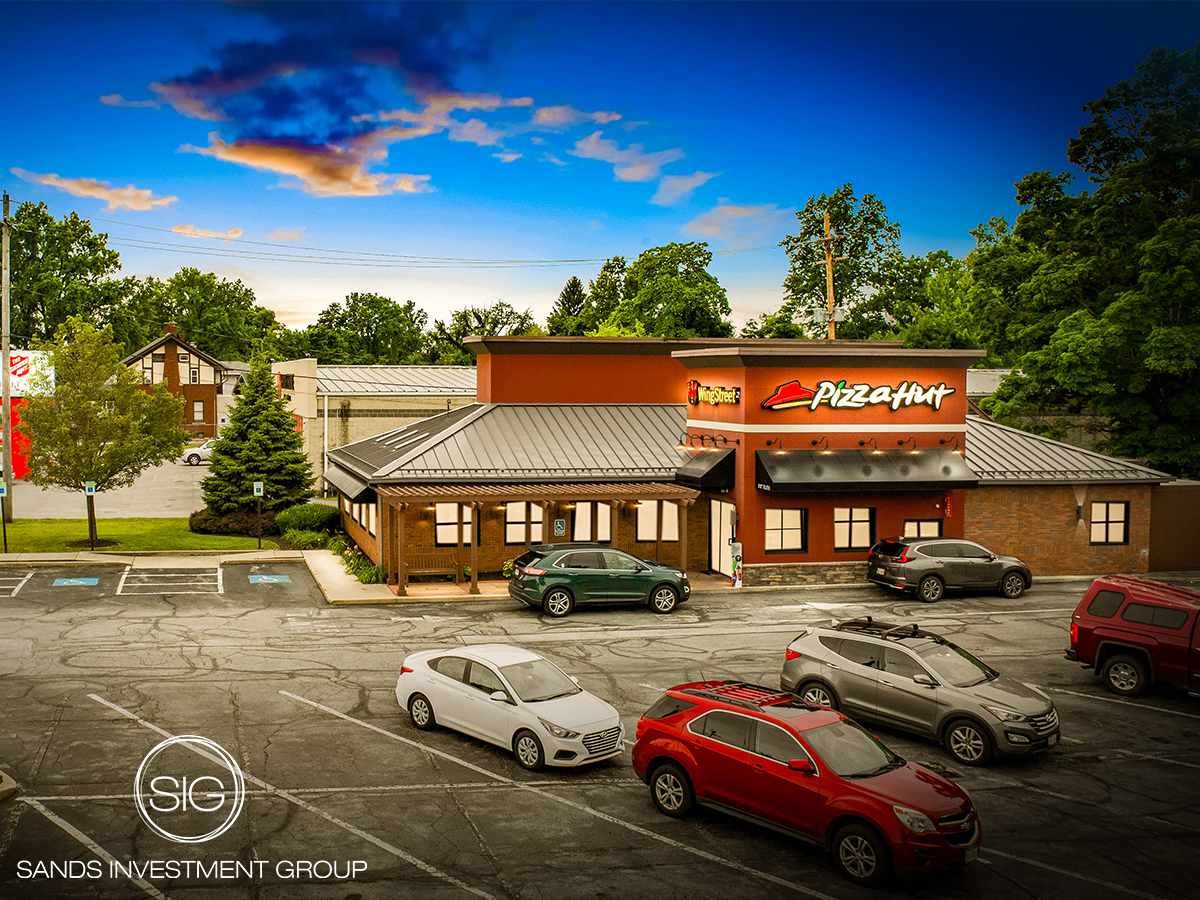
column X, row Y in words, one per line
column 76, row 582
column 270, row 579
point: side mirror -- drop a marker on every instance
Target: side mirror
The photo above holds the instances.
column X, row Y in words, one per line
column 499, row 696
column 803, row 766
column 574, row 679
column 924, row 680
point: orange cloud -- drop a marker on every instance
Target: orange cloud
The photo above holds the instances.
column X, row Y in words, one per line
column 292, row 234
column 324, row 171
column 630, row 164
column 193, row 231
column 738, row 223
column 193, row 99
column 127, row 197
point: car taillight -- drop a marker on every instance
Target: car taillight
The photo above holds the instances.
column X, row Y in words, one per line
column 405, row 670
column 904, row 557
column 530, row 570
column 1074, row 632
column 642, row 725
column 791, row 654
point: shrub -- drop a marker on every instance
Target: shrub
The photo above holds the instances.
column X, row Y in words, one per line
column 305, row 540
column 337, row 544
column 361, row 567
column 506, row 569
column 309, row 517
column 205, row 521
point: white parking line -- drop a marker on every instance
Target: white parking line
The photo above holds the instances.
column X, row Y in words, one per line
column 93, row 846
column 13, row 581
column 637, row 829
column 169, row 582
column 1049, row 868
column 1104, row 699
column 304, row 804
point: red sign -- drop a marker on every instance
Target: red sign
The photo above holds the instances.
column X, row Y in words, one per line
column 949, row 511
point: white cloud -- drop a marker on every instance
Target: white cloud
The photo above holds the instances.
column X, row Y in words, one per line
column 564, row 116
column 287, row 234
column 738, row 224
column 631, row 164
column 674, row 188
column 118, row 100
column 507, row 157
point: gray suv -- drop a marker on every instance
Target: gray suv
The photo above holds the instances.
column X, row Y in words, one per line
column 914, row 680
column 931, row 566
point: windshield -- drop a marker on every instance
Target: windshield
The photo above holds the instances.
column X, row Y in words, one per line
column 956, row 666
column 538, row 679
column 850, row 751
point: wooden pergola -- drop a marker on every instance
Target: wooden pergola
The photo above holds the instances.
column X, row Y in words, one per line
column 395, row 500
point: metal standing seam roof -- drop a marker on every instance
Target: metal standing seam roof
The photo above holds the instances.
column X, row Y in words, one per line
column 1003, row 455
column 393, row 380
column 527, row 442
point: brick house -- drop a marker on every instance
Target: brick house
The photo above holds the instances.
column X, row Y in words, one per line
column 189, row 373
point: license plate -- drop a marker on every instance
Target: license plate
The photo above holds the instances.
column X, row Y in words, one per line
column 971, row 855
column 878, row 570
column 1053, row 740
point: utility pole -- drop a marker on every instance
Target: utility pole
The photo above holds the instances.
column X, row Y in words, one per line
column 830, row 259
column 6, row 376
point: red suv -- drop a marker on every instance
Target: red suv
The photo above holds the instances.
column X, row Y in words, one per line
column 768, row 757
column 1134, row 631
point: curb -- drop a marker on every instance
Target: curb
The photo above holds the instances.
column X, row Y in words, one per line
column 8, row 787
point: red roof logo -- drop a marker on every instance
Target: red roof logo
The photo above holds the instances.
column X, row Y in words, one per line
column 788, row 395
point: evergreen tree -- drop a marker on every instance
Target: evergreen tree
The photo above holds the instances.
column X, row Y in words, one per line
column 565, row 319
column 260, row 443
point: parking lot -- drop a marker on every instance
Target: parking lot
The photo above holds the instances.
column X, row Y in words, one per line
column 99, row 667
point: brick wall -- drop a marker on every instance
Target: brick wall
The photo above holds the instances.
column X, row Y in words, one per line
column 1041, row 525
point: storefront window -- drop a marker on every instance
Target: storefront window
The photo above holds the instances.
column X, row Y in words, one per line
column 787, row 529
column 648, row 512
column 516, row 515
column 853, row 527
column 1110, row 523
column 919, row 528
column 583, row 522
column 371, row 518
column 446, row 522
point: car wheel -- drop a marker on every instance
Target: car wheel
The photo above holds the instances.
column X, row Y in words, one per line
column 930, row 589
column 861, row 855
column 1125, row 675
column 421, row 712
column 528, row 750
column 558, row 603
column 672, row 791
column 663, row 599
column 969, row 743
column 1012, row 585
column 818, row 695
column 193, row 460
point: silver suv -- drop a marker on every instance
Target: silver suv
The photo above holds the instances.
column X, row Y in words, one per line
column 931, row 566
column 914, row 680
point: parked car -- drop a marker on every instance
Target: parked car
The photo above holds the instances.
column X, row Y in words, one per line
column 917, row 681
column 193, row 456
column 931, row 566
column 512, row 698
column 768, row 757
column 558, row 577
column 1135, row 631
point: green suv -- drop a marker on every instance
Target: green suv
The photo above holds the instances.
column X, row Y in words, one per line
column 556, row 577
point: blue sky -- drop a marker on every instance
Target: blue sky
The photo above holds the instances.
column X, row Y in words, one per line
column 416, row 150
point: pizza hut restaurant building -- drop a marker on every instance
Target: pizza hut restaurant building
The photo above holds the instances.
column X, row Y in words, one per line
column 804, row 453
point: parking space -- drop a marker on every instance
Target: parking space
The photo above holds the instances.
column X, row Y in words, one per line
column 164, row 581
column 12, row 582
column 302, row 696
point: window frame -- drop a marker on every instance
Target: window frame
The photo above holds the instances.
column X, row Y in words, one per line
column 535, row 530
column 919, row 523
column 462, row 515
column 784, row 530
column 657, row 520
column 850, row 523
column 1108, row 522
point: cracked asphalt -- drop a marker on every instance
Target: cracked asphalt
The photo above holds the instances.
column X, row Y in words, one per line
column 92, row 677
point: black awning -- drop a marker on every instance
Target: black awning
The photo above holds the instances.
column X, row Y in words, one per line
column 709, row 470
column 797, row 471
column 354, row 488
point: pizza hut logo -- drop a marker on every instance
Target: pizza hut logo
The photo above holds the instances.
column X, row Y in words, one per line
column 840, row 395
column 18, row 365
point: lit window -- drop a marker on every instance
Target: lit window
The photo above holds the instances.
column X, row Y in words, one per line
column 647, row 520
column 853, row 527
column 919, row 528
column 371, row 518
column 583, row 522
column 516, row 515
column 446, row 522
column 1110, row 523
column 786, row 529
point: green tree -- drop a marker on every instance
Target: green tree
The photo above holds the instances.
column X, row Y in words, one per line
column 564, row 318
column 670, row 293
column 93, row 420
column 444, row 342
column 260, row 443
column 218, row 316
column 605, row 292
column 1095, row 296
column 374, row 330
column 58, row 269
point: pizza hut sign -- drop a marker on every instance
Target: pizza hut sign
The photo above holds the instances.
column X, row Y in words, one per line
column 857, row 396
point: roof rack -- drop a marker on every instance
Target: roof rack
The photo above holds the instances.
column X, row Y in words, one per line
column 865, row 623
column 740, row 693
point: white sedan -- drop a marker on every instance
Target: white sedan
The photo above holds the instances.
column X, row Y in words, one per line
column 193, row 456
column 512, row 698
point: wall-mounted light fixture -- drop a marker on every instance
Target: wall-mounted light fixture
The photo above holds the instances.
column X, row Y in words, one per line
column 816, row 441
column 1079, row 513
column 777, row 443
column 715, row 438
column 944, row 441
column 904, row 441
column 862, row 442
column 685, row 441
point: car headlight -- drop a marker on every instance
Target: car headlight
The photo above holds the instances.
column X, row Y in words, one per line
column 558, row 731
column 1006, row 715
column 914, row 821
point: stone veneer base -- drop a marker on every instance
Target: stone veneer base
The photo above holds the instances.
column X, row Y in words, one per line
column 760, row 574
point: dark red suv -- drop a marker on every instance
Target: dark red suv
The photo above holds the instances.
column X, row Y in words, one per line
column 768, row 757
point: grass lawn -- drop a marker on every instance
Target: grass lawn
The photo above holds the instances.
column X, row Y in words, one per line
column 62, row 535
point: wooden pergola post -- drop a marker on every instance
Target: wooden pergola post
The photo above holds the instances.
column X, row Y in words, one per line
column 683, row 532
column 476, row 514
column 400, row 516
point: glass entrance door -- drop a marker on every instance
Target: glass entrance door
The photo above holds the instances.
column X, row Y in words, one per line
column 720, row 532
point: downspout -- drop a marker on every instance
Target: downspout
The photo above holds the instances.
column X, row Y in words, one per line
column 325, row 447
